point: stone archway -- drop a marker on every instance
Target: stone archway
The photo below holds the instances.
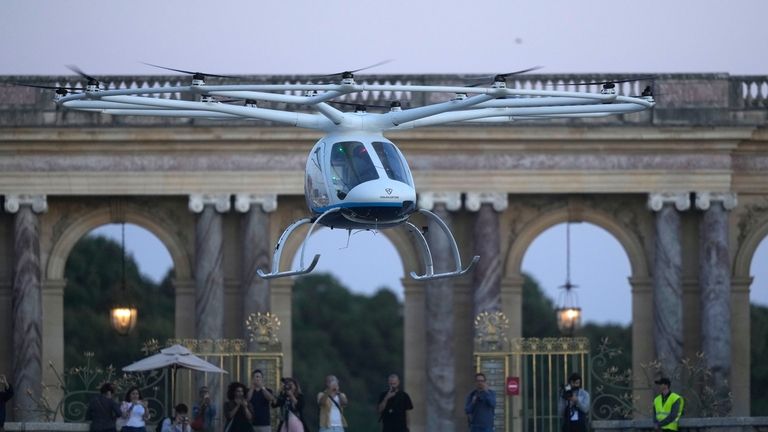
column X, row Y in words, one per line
column 754, row 231
column 55, row 256
column 537, row 220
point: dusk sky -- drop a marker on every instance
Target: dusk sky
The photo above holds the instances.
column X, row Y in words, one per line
column 308, row 36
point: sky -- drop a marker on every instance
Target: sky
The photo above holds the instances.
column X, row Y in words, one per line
column 41, row 37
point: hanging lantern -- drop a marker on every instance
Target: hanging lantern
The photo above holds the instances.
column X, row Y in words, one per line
column 568, row 312
column 123, row 319
column 122, row 315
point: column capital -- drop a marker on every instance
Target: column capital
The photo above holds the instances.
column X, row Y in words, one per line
column 681, row 200
column 198, row 201
column 39, row 203
column 244, row 201
column 474, row 200
column 704, row 199
column 452, row 200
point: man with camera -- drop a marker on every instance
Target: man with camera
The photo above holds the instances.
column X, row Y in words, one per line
column 480, row 406
column 180, row 421
column 6, row 393
column 573, row 405
column 394, row 405
column 261, row 398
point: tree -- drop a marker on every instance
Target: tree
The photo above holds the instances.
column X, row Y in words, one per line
column 357, row 338
column 93, row 274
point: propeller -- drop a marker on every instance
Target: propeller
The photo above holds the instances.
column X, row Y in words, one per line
column 640, row 78
column 351, row 73
column 363, row 106
column 77, row 70
column 60, row 90
column 501, row 77
column 195, row 75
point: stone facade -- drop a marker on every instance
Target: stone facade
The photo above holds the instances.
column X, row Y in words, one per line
column 502, row 186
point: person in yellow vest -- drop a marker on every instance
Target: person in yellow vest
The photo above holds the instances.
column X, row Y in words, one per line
column 667, row 407
column 332, row 402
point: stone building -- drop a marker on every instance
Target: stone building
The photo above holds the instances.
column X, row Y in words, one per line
column 683, row 188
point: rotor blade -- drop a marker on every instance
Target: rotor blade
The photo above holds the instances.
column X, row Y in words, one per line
column 357, row 104
column 47, row 87
column 522, row 71
column 485, row 79
column 641, row 78
column 356, row 70
column 191, row 72
column 80, row 72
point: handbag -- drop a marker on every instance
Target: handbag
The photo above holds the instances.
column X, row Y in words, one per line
column 198, row 423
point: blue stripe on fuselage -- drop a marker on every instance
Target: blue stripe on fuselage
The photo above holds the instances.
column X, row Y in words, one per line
column 358, row 204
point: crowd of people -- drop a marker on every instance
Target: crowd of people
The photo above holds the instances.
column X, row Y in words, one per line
column 250, row 408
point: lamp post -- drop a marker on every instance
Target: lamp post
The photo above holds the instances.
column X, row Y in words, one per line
column 568, row 311
column 122, row 314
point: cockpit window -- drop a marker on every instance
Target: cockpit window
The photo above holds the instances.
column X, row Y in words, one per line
column 351, row 165
column 392, row 162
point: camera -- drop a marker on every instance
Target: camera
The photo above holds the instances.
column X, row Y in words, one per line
column 566, row 391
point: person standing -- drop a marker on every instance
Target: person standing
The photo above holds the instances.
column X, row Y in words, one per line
column 261, row 399
column 480, row 405
column 103, row 410
column 332, row 402
column 203, row 412
column 291, row 404
column 6, row 393
column 237, row 410
column 394, row 405
column 667, row 407
column 573, row 405
column 135, row 411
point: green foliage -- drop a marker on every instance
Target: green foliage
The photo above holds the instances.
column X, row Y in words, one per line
column 538, row 311
column 759, row 371
column 93, row 274
column 357, row 338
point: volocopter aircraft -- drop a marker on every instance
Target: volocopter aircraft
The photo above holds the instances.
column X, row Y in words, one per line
column 355, row 177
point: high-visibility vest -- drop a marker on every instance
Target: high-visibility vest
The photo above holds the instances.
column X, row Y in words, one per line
column 663, row 409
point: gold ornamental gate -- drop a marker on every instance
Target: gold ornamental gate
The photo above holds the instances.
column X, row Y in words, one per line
column 527, row 374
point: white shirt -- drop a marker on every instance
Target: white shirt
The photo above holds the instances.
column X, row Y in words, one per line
column 136, row 416
column 334, row 417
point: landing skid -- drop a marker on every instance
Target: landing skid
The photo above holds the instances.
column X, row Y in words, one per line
column 416, row 234
column 426, row 254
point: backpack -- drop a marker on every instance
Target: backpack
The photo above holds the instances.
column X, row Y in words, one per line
column 159, row 426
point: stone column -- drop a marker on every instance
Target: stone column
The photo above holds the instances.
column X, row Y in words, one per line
column 415, row 351
column 715, row 285
column 486, row 278
column 257, row 249
column 27, row 300
column 668, row 279
column 440, row 367
column 209, row 279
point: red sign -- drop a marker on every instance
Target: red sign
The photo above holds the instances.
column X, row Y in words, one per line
column 513, row 386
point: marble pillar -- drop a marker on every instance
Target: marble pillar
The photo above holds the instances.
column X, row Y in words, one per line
column 27, row 293
column 715, row 285
column 209, row 279
column 257, row 254
column 486, row 277
column 668, row 279
column 440, row 356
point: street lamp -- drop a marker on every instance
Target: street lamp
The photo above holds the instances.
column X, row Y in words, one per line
column 123, row 315
column 568, row 311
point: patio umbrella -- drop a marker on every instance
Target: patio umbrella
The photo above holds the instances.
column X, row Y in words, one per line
column 173, row 357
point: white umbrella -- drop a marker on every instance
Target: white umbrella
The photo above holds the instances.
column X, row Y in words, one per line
column 174, row 357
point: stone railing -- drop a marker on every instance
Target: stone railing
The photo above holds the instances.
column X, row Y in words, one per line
column 708, row 424
column 682, row 99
